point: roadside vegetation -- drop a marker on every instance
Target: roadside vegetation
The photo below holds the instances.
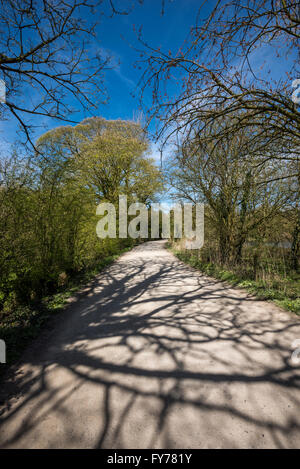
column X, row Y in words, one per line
column 48, row 241
column 252, row 234
column 233, row 124
column 22, row 323
column 267, row 283
column 229, row 122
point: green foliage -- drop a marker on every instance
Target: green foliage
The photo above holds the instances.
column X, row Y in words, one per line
column 21, row 324
column 48, row 214
column 283, row 290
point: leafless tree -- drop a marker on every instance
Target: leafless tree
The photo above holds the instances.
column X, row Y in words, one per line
column 215, row 77
column 48, row 59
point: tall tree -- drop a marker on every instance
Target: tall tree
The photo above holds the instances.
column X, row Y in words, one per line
column 110, row 157
column 241, row 190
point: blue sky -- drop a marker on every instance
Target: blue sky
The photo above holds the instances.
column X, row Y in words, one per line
column 167, row 31
column 116, row 38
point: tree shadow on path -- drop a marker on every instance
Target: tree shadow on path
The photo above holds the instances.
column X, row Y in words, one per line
column 157, row 355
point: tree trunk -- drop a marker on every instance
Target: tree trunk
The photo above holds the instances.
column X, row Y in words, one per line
column 296, row 244
column 224, row 247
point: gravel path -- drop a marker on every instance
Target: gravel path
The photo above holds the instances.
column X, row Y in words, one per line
column 155, row 355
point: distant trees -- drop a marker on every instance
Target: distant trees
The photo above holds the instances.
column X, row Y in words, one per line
column 108, row 157
column 122, row 167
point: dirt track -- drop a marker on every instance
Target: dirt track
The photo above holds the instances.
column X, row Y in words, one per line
column 155, row 355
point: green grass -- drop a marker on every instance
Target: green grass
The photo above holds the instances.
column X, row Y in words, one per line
column 20, row 325
column 283, row 291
